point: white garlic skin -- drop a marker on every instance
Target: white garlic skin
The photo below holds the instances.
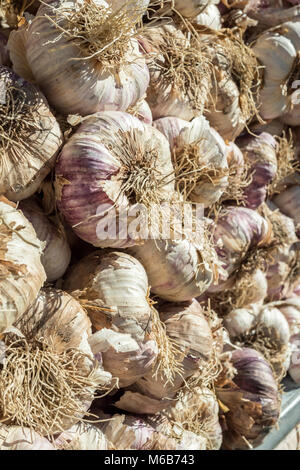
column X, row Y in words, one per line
column 277, row 51
column 78, row 86
column 56, row 254
column 118, row 282
column 173, row 269
column 20, row 438
column 26, row 162
column 241, row 320
column 23, row 273
column 211, row 154
column 210, row 17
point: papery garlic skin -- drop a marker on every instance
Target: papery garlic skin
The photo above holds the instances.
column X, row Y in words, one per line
column 99, row 277
column 30, row 140
column 241, row 320
column 196, row 408
column 210, row 17
column 139, row 5
column 260, row 153
column 192, row 8
column 18, row 438
column 56, row 254
column 122, row 356
column 142, row 111
column 94, row 167
column 207, row 150
column 21, row 267
column 72, row 83
column 174, row 268
column 290, row 308
column 253, row 401
column 288, row 203
column 225, row 115
column 82, row 436
column 237, row 230
column 277, row 51
column 165, row 96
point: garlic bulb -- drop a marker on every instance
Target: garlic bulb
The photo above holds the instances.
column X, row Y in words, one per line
column 177, row 270
column 288, row 203
column 199, row 155
column 50, row 350
column 197, row 410
column 82, row 436
column 235, row 80
column 225, row 114
column 253, row 401
column 124, row 357
column 30, row 137
column 57, row 254
column 210, row 16
column 95, row 64
column 260, row 154
column 290, row 308
column 18, row 438
column 114, row 170
column 22, row 272
column 179, row 73
column 236, row 231
column 266, row 331
column 196, row 356
column 117, row 284
column 277, row 51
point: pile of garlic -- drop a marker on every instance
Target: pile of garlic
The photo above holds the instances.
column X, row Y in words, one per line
column 149, row 222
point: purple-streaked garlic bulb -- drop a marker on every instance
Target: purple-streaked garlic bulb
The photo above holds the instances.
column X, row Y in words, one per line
column 279, row 261
column 117, row 284
column 95, row 65
column 30, row 136
column 265, row 330
column 23, row 274
column 18, row 438
column 179, row 73
column 236, row 231
column 177, row 270
column 199, row 156
column 112, row 178
column 49, row 348
column 260, row 154
column 195, row 356
column 56, row 254
column 252, row 400
column 289, row 204
column 277, row 51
